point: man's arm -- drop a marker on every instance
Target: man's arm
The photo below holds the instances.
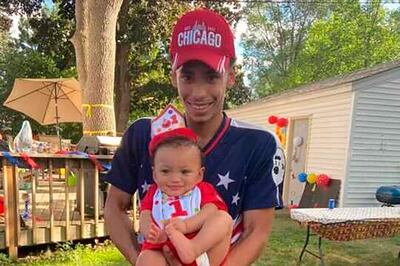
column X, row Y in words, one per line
column 119, row 225
column 257, row 227
column 145, row 222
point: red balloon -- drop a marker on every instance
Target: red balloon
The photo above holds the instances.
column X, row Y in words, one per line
column 282, row 122
column 272, row 119
column 323, row 180
column 1, row 205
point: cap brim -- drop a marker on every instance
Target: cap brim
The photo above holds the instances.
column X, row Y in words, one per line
column 217, row 62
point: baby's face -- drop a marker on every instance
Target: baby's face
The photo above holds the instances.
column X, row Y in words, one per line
column 177, row 169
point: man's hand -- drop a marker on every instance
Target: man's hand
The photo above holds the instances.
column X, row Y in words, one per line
column 257, row 227
column 178, row 224
column 118, row 224
column 169, row 256
column 156, row 235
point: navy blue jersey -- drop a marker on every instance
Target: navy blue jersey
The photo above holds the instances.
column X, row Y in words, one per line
column 241, row 161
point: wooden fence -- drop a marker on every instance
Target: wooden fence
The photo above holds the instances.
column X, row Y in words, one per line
column 61, row 201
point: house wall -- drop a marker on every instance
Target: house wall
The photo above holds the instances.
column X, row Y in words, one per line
column 329, row 111
column 374, row 158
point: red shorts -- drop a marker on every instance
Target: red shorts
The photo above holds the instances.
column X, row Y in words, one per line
column 149, row 246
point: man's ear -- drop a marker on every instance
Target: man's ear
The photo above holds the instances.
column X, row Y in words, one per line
column 231, row 78
column 173, row 79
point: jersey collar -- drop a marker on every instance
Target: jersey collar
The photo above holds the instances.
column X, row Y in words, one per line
column 223, row 128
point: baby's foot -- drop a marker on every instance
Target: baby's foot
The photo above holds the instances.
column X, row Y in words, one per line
column 183, row 245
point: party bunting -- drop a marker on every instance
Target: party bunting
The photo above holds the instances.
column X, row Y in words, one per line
column 32, row 164
column 29, row 161
column 96, row 163
column 99, row 165
column 12, row 160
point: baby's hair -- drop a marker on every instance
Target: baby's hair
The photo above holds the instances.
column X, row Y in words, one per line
column 176, row 142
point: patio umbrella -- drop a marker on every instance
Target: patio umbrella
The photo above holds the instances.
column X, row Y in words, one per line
column 48, row 101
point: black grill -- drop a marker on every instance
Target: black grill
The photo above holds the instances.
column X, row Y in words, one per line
column 388, row 195
column 101, row 145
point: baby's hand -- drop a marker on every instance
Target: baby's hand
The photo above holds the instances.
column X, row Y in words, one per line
column 178, row 224
column 156, row 235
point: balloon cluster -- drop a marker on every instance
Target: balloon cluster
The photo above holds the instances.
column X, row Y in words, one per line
column 321, row 180
column 302, row 177
column 280, row 127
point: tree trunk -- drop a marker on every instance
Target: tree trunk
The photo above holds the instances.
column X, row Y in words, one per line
column 80, row 41
column 95, row 51
column 122, row 88
column 122, row 77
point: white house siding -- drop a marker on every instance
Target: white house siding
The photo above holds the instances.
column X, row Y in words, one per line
column 329, row 111
column 375, row 142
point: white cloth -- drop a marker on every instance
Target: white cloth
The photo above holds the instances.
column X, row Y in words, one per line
column 202, row 260
column 189, row 204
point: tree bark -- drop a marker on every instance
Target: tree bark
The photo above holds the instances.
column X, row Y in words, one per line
column 95, row 51
column 123, row 79
column 80, row 41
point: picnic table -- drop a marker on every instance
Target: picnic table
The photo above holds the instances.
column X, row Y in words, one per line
column 346, row 224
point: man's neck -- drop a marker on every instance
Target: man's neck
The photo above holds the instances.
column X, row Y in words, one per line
column 205, row 131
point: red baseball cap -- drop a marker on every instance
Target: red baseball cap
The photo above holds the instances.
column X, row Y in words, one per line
column 202, row 35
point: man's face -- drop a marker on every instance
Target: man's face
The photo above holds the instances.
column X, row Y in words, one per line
column 202, row 90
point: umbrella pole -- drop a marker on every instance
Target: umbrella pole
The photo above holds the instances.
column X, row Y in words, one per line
column 58, row 134
column 57, row 125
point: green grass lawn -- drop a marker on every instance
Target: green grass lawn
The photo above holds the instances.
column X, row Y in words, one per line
column 284, row 247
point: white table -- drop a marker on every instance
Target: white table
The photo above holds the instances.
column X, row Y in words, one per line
column 346, row 224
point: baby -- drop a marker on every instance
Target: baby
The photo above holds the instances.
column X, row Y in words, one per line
column 180, row 210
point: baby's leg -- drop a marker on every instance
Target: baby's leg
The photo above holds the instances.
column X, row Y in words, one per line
column 217, row 228
column 151, row 257
column 213, row 238
column 218, row 252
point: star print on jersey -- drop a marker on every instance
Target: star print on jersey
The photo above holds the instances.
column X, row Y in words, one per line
column 235, row 199
column 145, row 187
column 224, row 180
column 250, row 165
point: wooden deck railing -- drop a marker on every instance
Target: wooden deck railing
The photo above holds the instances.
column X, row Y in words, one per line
column 49, row 204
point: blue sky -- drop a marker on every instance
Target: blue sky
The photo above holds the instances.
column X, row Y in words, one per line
column 239, row 30
column 48, row 2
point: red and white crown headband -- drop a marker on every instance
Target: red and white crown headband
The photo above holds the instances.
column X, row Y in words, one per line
column 169, row 123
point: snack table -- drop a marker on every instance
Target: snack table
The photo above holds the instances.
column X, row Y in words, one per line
column 346, row 224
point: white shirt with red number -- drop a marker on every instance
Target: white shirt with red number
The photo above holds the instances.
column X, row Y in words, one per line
column 164, row 207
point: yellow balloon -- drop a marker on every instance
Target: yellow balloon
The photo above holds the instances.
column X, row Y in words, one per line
column 283, row 141
column 312, row 178
column 62, row 171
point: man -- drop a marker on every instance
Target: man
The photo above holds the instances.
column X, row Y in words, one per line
column 238, row 157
